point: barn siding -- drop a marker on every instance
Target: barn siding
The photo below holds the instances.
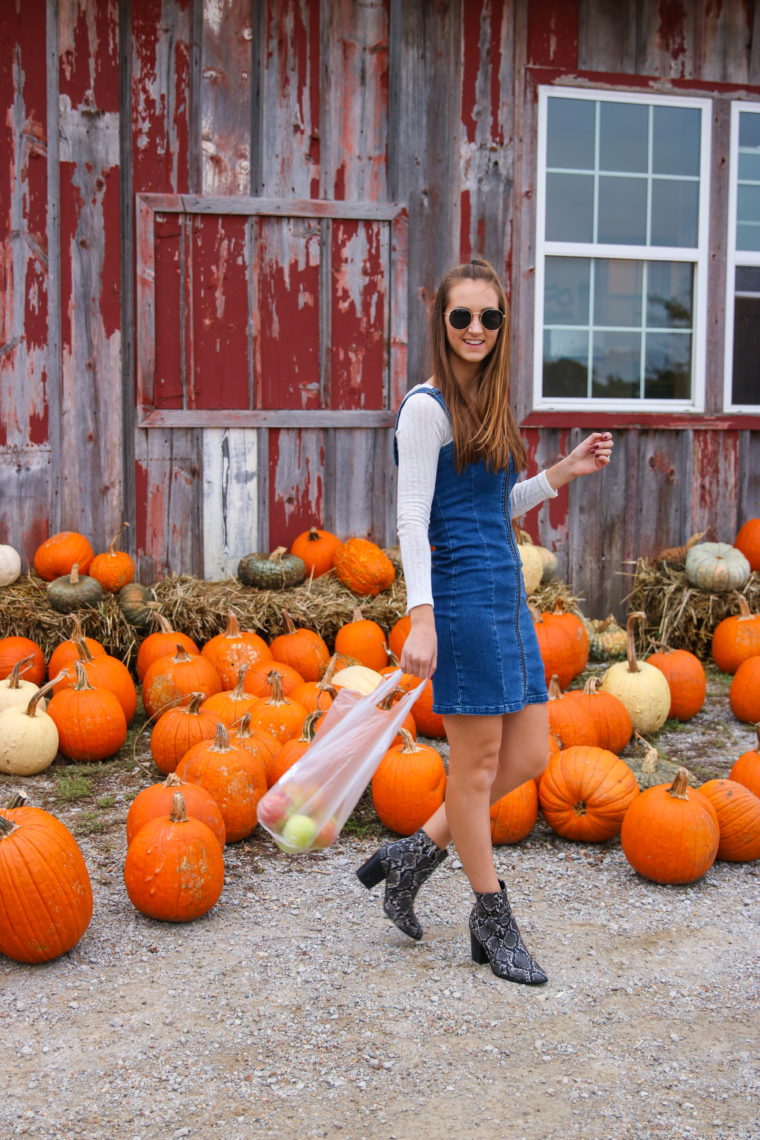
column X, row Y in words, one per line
column 432, row 105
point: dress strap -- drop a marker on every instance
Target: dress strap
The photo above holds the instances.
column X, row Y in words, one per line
column 423, row 390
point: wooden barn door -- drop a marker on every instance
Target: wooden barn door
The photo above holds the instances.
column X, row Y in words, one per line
column 271, row 354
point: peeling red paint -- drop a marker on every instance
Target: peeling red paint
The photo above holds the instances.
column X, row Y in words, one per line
column 671, row 32
column 552, row 34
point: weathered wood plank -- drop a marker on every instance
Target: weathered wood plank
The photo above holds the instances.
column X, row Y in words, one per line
column 230, row 499
column 276, row 418
column 89, row 154
column 296, row 488
column 225, row 97
column 169, row 523
column 276, row 207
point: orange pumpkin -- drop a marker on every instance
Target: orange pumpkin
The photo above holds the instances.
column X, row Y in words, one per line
column 174, row 869
column 744, row 691
column 67, row 652
column 609, row 715
column 738, row 812
column 736, row 638
column 428, row 723
column 278, row 714
column 570, row 721
column 291, row 751
column 177, row 729
column 114, row 568
column 232, row 775
column 258, row 679
column 257, row 740
column 514, row 815
column 156, row 801
column 316, row 549
column 301, row 649
column 364, row 640
column 162, row 643
column 103, row 672
column 747, row 768
column 45, row 891
column 363, row 567
column 13, row 649
column 409, row 784
column 585, row 792
column 686, row 678
column 90, row 721
column 670, row 832
column 563, row 644
column 231, row 705
column 398, row 635
column 314, row 695
column 175, row 676
column 748, row 541
column 56, row 556
column 234, row 647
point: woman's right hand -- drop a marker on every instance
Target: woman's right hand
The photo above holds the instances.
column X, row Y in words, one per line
column 419, row 655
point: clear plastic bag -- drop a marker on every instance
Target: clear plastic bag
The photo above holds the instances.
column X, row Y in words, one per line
column 308, row 806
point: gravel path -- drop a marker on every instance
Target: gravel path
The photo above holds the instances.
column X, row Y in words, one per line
column 294, row 1009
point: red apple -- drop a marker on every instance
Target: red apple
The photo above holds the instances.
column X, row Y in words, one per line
column 274, row 808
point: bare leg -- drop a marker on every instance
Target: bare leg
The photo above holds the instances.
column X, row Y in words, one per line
column 522, row 755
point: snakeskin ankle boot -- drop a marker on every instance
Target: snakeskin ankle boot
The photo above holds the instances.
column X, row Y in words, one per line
column 405, row 865
column 495, row 938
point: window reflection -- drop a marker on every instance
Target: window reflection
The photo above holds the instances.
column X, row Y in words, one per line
column 745, row 388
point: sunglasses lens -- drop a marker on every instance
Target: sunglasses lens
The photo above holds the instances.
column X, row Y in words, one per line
column 460, row 318
column 491, row 319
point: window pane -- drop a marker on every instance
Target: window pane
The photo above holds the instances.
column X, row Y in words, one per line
column 617, row 293
column 670, row 294
column 749, row 165
column 676, row 140
column 622, row 210
column 748, row 238
column 668, row 366
column 675, row 213
column 617, row 365
column 749, row 129
column 565, row 364
column 569, row 207
column 570, row 133
column 624, row 137
column 748, row 204
column 566, row 291
column 745, row 386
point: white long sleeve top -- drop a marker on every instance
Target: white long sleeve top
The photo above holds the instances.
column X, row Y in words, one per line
column 423, row 429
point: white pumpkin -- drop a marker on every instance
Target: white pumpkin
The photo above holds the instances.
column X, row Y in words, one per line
column 28, row 737
column 645, row 694
column 14, row 690
column 532, row 566
column 357, row 678
column 717, row 567
column 10, row 565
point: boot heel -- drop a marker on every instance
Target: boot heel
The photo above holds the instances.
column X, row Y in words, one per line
column 372, row 872
column 479, row 955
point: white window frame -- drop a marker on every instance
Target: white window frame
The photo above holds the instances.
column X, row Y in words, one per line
column 698, row 256
column 736, row 258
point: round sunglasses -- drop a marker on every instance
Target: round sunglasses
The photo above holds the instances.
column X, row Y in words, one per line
column 461, row 319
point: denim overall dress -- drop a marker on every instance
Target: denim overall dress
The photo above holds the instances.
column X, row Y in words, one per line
column 488, row 657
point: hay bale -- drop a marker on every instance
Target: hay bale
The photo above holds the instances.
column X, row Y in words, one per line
column 681, row 615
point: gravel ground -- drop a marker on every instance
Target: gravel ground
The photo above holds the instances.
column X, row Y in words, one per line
column 294, row 1009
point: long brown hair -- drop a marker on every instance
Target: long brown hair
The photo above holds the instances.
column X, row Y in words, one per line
column 489, row 430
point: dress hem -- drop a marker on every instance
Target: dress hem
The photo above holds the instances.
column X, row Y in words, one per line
column 491, row 710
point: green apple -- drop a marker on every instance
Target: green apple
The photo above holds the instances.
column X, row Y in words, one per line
column 299, row 831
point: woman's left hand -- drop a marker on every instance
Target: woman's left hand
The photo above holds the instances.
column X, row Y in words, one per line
column 591, row 454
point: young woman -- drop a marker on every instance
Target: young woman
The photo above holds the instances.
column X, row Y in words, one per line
column 459, row 454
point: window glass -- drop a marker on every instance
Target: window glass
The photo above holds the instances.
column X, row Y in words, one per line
column 570, row 207
column 667, row 366
column 565, row 364
column 622, row 210
column 748, row 217
column 566, row 290
column 670, row 294
column 618, row 293
column 624, row 137
column 676, row 142
column 617, row 365
column 675, row 212
column 745, row 385
column 571, row 134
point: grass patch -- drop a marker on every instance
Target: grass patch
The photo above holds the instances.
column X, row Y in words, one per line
column 73, row 786
column 104, row 802
column 363, row 822
column 90, row 823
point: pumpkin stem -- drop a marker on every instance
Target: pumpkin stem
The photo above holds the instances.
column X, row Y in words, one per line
column 289, row 623
column 7, row 827
column 744, row 610
column 649, row 763
column 593, row 685
column 31, row 708
column 178, row 813
column 277, row 553
column 82, row 649
column 172, row 781
column 239, row 693
column 221, row 740
column 82, row 682
column 555, row 692
column 678, row 789
column 276, row 696
column 233, row 625
column 630, row 639
column 309, row 726
column 410, row 744
column 14, row 677
column 112, row 543
column 164, row 623
column 17, row 800
column 74, row 575
column 357, row 614
column 181, row 654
